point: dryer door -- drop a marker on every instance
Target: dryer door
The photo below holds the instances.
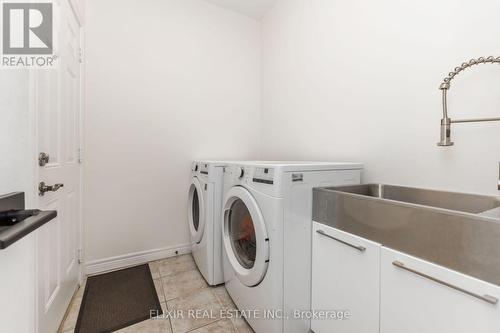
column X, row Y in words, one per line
column 196, row 210
column 245, row 236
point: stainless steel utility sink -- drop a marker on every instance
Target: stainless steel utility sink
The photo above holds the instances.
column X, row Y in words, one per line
column 462, row 202
column 456, row 230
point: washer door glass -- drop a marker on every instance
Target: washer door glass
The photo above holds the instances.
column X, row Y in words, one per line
column 196, row 211
column 245, row 238
column 242, row 234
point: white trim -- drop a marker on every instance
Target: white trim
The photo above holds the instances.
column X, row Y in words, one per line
column 133, row 259
column 31, row 196
column 76, row 9
column 83, row 91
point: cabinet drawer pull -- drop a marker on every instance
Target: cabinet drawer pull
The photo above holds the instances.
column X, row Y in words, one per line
column 359, row 248
column 485, row 298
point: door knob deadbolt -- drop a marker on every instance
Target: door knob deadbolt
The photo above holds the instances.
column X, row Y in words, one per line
column 43, row 188
column 43, row 158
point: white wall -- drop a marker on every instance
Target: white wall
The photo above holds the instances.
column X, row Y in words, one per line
column 167, row 81
column 15, row 127
column 358, row 80
column 17, row 262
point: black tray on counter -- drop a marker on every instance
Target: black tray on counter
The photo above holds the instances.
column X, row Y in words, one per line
column 12, row 233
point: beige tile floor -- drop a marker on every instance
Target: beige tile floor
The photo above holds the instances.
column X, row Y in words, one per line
column 180, row 286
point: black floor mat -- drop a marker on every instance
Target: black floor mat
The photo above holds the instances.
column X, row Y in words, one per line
column 116, row 300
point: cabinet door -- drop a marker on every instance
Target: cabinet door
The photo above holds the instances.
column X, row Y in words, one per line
column 421, row 297
column 345, row 277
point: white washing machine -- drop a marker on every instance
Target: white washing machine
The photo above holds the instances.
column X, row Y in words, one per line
column 266, row 236
column 204, row 218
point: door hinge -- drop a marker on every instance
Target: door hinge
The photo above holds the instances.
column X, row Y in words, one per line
column 80, row 155
column 80, row 256
column 80, row 55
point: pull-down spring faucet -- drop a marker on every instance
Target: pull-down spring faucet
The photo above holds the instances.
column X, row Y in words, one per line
column 445, row 86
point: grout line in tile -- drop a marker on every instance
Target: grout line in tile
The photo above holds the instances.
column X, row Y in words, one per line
column 192, row 292
column 213, row 322
column 163, row 291
column 169, row 319
column 222, row 307
column 174, row 274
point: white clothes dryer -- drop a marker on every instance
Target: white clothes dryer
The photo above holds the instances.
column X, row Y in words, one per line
column 204, row 218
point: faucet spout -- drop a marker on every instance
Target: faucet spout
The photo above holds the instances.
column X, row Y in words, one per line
column 446, row 121
column 445, row 139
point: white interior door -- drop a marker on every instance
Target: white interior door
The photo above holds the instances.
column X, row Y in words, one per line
column 57, row 104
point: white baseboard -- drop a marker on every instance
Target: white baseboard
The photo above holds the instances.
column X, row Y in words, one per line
column 133, row 259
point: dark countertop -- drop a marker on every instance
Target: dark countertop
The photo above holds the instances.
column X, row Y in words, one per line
column 11, row 234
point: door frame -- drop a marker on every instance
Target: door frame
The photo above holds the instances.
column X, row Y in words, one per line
column 78, row 12
column 32, row 196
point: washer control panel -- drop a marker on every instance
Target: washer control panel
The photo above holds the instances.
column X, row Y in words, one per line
column 204, row 169
column 263, row 176
column 240, row 172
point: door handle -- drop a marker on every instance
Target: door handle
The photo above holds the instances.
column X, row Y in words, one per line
column 43, row 188
column 359, row 248
column 486, row 298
